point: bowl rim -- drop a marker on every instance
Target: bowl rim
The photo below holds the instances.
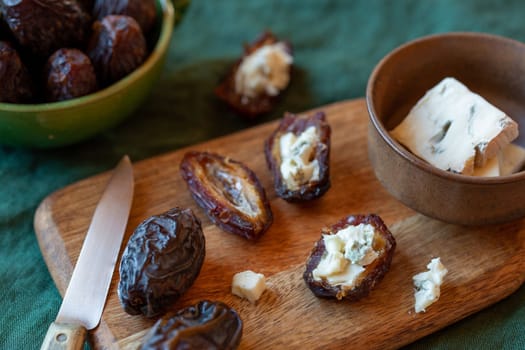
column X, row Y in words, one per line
column 404, row 152
column 163, row 41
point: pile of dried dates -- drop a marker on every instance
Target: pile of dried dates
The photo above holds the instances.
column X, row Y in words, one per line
column 55, row 50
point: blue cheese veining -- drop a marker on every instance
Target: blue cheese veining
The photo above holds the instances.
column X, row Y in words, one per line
column 265, row 71
column 455, row 129
column 428, row 284
column 298, row 162
column 347, row 254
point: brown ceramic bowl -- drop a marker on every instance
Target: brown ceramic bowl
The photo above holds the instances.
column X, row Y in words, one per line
column 491, row 66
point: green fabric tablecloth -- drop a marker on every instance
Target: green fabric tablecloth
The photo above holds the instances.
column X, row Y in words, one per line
column 336, row 43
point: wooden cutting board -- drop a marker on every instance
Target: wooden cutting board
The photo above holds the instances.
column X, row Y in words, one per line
column 485, row 263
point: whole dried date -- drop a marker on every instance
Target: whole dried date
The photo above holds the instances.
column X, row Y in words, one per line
column 16, row 85
column 351, row 257
column 116, row 48
column 161, row 261
column 298, row 155
column 43, row 26
column 143, row 11
column 229, row 192
column 69, row 74
column 255, row 82
column 206, row 325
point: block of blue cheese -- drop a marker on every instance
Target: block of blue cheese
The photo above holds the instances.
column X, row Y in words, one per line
column 455, row 129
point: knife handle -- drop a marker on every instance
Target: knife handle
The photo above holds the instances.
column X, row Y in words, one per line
column 64, row 336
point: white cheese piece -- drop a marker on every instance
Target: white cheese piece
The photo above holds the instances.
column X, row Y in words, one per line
column 266, row 70
column 454, row 129
column 248, row 285
column 511, row 159
column 347, row 252
column 427, row 285
column 298, row 163
column 492, row 168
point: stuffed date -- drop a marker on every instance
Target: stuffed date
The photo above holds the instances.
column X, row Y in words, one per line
column 161, row 261
column 256, row 80
column 297, row 154
column 351, row 257
column 229, row 192
column 206, row 325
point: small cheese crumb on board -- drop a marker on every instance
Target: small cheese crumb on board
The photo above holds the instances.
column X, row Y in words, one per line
column 428, row 285
column 455, row 129
column 248, row 285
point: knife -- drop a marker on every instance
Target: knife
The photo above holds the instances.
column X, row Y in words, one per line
column 86, row 293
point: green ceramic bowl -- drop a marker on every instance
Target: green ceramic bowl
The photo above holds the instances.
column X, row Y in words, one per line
column 62, row 123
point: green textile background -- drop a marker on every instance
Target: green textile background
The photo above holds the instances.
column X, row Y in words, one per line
column 336, row 43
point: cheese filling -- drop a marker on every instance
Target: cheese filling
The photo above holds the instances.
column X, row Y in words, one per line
column 265, row 71
column 298, row 163
column 427, row 284
column 347, row 253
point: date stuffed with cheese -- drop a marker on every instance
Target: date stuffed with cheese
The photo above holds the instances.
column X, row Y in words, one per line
column 254, row 83
column 351, row 257
column 298, row 155
column 229, row 192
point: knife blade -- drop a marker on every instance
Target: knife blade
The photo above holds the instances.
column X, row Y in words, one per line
column 86, row 293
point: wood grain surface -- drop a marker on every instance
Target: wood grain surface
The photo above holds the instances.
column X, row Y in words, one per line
column 485, row 263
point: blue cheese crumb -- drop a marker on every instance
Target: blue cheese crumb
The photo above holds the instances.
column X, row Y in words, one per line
column 427, row 285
